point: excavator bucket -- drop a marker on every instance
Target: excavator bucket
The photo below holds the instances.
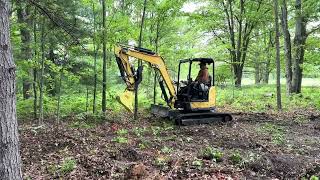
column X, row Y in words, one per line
column 126, row 99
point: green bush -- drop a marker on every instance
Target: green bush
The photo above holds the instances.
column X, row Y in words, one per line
column 68, row 166
column 210, row 153
column 236, row 158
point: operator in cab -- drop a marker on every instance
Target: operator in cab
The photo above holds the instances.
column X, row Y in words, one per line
column 202, row 81
column 203, row 75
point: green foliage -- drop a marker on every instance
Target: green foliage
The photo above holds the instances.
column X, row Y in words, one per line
column 301, row 120
column 198, row 163
column 223, row 74
column 81, row 125
column 236, row 158
column 139, row 131
column 166, row 150
column 122, row 132
column 211, row 154
column 262, row 98
column 162, row 161
column 68, row 166
column 313, row 177
column 121, row 140
column 24, row 109
column 156, row 130
column 276, row 132
column 144, row 144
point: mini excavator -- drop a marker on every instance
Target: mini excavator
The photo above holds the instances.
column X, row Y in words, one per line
column 188, row 102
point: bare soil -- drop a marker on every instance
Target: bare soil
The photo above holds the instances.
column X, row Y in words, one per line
column 253, row 146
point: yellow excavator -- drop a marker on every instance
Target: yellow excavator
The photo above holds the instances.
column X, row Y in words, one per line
column 188, row 102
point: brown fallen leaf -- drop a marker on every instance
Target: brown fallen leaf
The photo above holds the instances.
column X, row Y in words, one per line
column 138, row 171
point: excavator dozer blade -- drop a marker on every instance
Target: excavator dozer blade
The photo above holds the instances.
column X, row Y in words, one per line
column 161, row 111
column 126, row 99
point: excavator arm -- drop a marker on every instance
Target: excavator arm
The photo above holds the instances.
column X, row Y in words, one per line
column 132, row 78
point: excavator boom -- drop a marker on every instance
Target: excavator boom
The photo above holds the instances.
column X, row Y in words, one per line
column 132, row 78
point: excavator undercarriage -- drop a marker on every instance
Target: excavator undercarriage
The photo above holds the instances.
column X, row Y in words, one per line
column 181, row 117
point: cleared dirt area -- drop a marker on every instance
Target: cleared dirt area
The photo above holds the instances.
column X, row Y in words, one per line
column 253, row 146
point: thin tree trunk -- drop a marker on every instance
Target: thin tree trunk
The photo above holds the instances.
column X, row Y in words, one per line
column 268, row 62
column 59, row 97
column 276, row 15
column 53, row 82
column 35, row 71
column 95, row 61
column 10, row 161
column 287, row 46
column 238, row 50
column 136, row 101
column 23, row 12
column 104, row 48
column 257, row 74
column 42, row 73
column 155, row 71
column 266, row 72
column 87, row 98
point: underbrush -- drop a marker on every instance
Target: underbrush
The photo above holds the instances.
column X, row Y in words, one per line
column 263, row 98
column 248, row 98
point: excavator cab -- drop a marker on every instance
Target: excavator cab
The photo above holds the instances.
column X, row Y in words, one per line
column 191, row 94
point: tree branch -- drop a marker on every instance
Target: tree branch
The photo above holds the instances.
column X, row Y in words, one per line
column 59, row 24
column 313, row 30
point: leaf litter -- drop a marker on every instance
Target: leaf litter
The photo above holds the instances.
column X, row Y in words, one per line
column 254, row 146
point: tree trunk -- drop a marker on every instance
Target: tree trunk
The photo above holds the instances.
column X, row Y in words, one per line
column 59, row 96
column 140, row 62
column 10, row 161
column 257, row 72
column 35, row 72
column 95, row 61
column 23, row 12
column 155, row 71
column 276, row 15
column 267, row 69
column 87, row 98
column 266, row 72
column 238, row 50
column 104, row 48
column 299, row 43
column 42, row 73
column 53, row 81
column 238, row 69
column 287, row 46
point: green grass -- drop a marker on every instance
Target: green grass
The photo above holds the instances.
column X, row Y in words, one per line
column 306, row 82
column 263, row 98
column 254, row 98
column 276, row 132
column 211, row 153
column 68, row 166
